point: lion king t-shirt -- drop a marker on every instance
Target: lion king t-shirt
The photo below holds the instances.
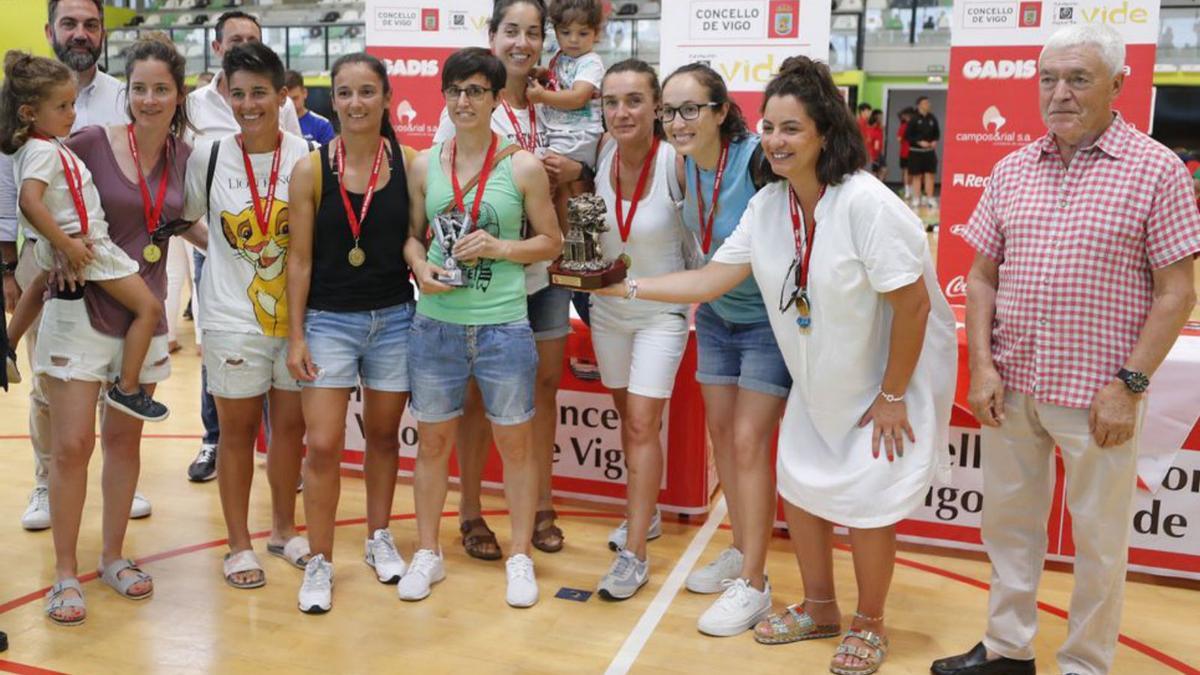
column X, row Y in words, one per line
column 244, row 282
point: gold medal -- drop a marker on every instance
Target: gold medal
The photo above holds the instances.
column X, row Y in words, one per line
column 357, row 256
column 152, row 253
column 626, row 260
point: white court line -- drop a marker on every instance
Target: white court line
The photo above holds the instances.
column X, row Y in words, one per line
column 629, row 651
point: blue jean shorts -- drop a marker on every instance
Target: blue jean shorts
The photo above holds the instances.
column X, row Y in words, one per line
column 550, row 313
column 745, row 354
column 444, row 356
column 371, row 346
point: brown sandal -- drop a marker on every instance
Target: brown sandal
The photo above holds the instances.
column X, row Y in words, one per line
column 477, row 537
column 547, row 539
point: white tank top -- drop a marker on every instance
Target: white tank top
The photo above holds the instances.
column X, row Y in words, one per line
column 655, row 242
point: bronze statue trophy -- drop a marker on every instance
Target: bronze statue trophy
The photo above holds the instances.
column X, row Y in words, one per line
column 582, row 264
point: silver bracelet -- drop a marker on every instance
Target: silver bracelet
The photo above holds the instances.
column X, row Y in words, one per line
column 891, row 399
column 631, row 286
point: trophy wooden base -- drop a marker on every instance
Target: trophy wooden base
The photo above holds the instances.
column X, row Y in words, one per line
column 587, row 281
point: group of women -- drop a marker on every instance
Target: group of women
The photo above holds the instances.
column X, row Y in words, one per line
column 820, row 305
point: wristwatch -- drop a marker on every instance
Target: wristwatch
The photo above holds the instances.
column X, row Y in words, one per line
column 1136, row 382
column 8, row 267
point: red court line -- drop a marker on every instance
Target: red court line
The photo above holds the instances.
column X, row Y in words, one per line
column 1053, row 610
column 22, row 669
column 24, row 437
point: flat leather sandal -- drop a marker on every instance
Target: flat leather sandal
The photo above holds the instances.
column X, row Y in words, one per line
column 872, row 656
column 777, row 630
column 56, row 602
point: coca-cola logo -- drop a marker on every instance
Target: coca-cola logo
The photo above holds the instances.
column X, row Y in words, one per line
column 957, row 287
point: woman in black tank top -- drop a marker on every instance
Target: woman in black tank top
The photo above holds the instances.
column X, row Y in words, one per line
column 351, row 308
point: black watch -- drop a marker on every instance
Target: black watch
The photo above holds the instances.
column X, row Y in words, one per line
column 1136, row 382
column 8, row 267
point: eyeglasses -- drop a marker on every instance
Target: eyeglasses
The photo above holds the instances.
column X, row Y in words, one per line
column 791, row 282
column 688, row 111
column 473, row 92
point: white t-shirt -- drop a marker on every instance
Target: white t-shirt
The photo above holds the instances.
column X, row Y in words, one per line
column 867, row 243
column 567, row 71
column 244, row 283
column 39, row 160
column 537, row 275
column 101, row 102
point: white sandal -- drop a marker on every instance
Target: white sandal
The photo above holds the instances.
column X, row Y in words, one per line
column 55, row 602
column 294, row 550
column 243, row 561
column 111, row 576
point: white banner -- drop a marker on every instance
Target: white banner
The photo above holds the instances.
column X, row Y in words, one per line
column 1012, row 23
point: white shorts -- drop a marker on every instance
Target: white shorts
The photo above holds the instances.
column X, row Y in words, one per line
column 243, row 365
column 69, row 348
column 109, row 261
column 642, row 354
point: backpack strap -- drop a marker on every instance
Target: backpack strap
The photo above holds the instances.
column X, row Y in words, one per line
column 314, row 159
column 212, row 171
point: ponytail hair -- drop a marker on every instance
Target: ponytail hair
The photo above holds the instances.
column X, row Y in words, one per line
column 28, row 80
column 733, row 128
column 843, row 151
column 385, row 124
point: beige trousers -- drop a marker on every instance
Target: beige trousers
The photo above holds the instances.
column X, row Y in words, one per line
column 39, row 412
column 1018, row 482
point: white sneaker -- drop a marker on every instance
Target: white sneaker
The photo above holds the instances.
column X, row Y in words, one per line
column 425, row 570
column 141, row 507
column 710, row 578
column 737, row 610
column 37, row 512
column 316, row 593
column 522, row 585
column 617, row 538
column 382, row 556
column 625, row 578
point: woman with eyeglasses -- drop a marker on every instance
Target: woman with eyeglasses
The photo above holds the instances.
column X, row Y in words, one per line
column 853, row 300
column 516, row 33
column 741, row 371
column 638, row 343
column 481, row 190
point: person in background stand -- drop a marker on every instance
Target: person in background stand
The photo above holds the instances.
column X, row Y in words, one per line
column 1106, row 212
column 314, row 127
column 75, row 31
column 862, row 118
column 905, row 148
column 212, row 119
column 874, row 140
column 922, row 133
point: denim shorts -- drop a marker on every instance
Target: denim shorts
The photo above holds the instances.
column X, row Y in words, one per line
column 371, row 346
column 245, row 365
column 550, row 313
column 745, row 354
column 444, row 356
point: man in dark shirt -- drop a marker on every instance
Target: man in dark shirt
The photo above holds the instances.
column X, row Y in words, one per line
column 923, row 133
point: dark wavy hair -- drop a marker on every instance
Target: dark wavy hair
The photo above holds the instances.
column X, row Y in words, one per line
column 810, row 82
column 157, row 46
column 586, row 12
column 501, row 7
column 385, row 125
column 470, row 61
column 28, row 80
column 642, row 68
column 254, row 57
column 734, row 127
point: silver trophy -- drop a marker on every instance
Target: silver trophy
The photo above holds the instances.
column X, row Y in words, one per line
column 448, row 228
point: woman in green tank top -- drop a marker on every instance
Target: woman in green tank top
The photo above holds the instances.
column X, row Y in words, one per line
column 475, row 326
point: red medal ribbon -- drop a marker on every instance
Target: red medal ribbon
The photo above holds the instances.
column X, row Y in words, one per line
column 552, row 76
column 152, row 210
column 74, row 180
column 804, row 248
column 459, row 197
column 356, row 221
column 527, row 142
column 706, row 224
column 259, row 214
column 624, row 226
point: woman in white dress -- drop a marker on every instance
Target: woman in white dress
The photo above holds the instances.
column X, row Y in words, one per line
column 869, row 341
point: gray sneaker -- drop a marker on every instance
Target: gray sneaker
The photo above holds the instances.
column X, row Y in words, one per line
column 619, row 535
column 711, row 577
column 624, row 578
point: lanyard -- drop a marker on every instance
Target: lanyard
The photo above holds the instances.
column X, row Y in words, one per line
column 552, row 77
column 356, row 221
column 459, row 197
column 529, row 142
column 624, row 226
column 74, row 180
column 706, row 224
column 804, row 248
column 263, row 212
column 152, row 209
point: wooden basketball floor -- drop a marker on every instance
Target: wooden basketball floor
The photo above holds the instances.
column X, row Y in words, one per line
column 197, row 624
